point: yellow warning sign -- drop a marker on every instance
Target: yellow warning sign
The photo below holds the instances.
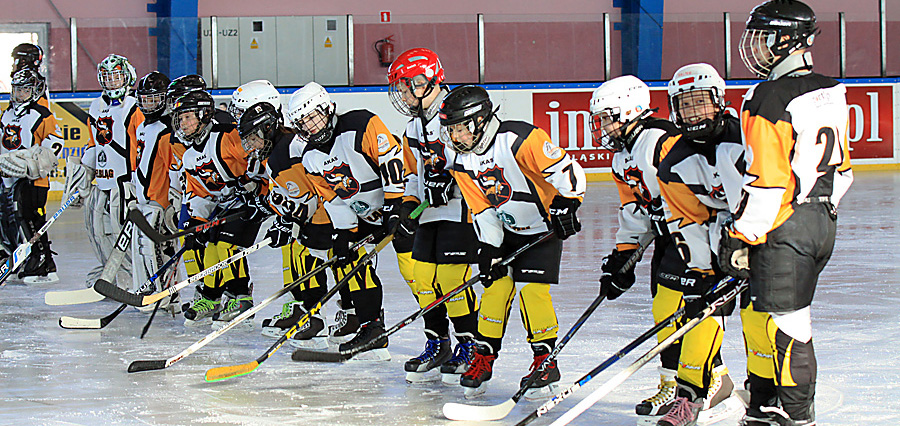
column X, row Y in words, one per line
column 328, row 42
column 254, row 44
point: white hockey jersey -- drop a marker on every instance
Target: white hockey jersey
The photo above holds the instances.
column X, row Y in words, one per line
column 37, row 126
column 361, row 167
column 154, row 158
column 111, row 151
column 511, row 185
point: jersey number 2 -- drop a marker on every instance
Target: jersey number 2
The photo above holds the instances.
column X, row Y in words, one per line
column 826, row 136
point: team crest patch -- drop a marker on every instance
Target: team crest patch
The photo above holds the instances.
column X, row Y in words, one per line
column 494, row 185
column 12, row 137
column 360, row 207
column 104, row 130
column 507, row 218
column 292, row 188
column 552, row 151
column 383, row 142
column 211, row 178
column 101, row 159
column 342, row 181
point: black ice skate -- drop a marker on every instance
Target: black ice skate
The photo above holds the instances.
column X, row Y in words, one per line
column 346, row 324
column 459, row 362
column 232, row 307
column 773, row 416
column 312, row 334
column 39, row 268
column 544, row 386
column 368, row 332
column 436, row 353
column 474, row 381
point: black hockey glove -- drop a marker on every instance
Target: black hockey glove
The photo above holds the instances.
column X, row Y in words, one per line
column 734, row 255
column 342, row 247
column 281, row 232
column 438, row 187
column 256, row 207
column 695, row 287
column 408, row 225
column 613, row 280
column 196, row 240
column 562, row 216
column 488, row 272
column 390, row 215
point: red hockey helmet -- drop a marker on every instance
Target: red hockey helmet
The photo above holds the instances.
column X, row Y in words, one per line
column 413, row 69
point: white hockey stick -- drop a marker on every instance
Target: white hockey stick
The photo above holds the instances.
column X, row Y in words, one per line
column 72, row 297
column 17, row 258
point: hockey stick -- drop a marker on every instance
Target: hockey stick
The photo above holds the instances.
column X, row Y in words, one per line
column 227, row 372
column 20, row 254
column 112, row 291
column 97, row 323
column 174, row 259
column 147, row 365
column 340, row 356
column 72, row 297
column 456, row 411
column 138, row 218
column 732, row 288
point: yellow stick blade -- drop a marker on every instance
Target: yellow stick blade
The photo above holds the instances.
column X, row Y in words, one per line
column 230, row 371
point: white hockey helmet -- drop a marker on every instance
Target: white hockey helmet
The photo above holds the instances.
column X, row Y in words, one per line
column 251, row 93
column 116, row 76
column 311, row 113
column 623, row 100
column 697, row 101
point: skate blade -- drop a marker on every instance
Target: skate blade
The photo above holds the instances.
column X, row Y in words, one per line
column 314, row 344
column 51, row 278
column 198, row 323
column 413, row 377
column 450, row 379
column 723, row 410
column 541, row 393
column 246, row 324
column 470, row 393
column 337, row 340
column 273, row 332
column 380, row 354
column 647, row 420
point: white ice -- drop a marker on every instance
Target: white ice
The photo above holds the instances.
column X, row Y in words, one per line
column 52, row 376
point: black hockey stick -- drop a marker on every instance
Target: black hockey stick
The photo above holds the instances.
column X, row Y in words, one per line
column 456, row 411
column 141, row 222
column 146, row 365
column 227, row 372
column 340, row 356
column 729, row 288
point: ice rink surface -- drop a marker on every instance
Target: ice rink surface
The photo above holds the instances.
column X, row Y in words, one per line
column 52, row 376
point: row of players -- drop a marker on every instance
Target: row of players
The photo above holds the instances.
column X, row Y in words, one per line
column 760, row 191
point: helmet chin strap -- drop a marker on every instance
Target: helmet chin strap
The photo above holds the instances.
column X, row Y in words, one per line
column 792, row 65
column 487, row 139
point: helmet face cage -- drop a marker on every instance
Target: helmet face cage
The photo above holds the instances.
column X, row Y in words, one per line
column 258, row 128
column 192, row 125
column 413, row 69
column 402, row 93
column 698, row 112
column 774, row 31
column 316, row 126
column 607, row 139
column 467, row 135
column 756, row 51
column 26, row 88
column 151, row 103
column 116, row 76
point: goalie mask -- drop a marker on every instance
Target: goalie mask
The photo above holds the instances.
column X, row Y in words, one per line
column 116, row 77
column 26, row 56
column 617, row 107
column 192, row 117
column 311, row 114
column 27, row 87
column 697, row 101
column 774, row 30
column 468, row 121
column 412, row 77
column 258, row 127
column 151, row 95
column 251, row 93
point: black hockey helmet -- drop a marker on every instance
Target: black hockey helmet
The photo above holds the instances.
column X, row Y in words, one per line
column 258, row 128
column 26, row 55
column 192, row 116
column 774, row 30
column 183, row 85
column 151, row 94
column 27, row 87
column 468, row 108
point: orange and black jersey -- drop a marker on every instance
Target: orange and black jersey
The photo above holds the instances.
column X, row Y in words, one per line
column 112, row 149
column 357, row 170
column 697, row 183
column 36, row 126
column 291, row 193
column 155, row 156
column 635, row 175
column 215, row 171
column 795, row 138
column 511, row 185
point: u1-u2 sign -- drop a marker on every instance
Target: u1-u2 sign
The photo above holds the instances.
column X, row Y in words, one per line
column 565, row 115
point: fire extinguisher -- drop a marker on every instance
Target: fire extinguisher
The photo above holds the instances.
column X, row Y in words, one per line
column 385, row 50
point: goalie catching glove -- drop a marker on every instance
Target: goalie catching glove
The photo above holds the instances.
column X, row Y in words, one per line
column 32, row 163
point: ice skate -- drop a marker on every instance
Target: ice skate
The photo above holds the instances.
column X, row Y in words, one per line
column 200, row 311
column 459, row 362
column 660, row 403
column 436, row 353
column 312, row 334
column 474, row 380
column 546, row 384
column 684, row 411
column 720, row 402
column 39, row 269
column 282, row 321
column 773, row 416
column 346, row 324
column 232, row 307
column 368, row 332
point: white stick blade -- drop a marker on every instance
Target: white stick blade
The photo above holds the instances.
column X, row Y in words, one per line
column 79, row 323
column 73, row 297
column 454, row 411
